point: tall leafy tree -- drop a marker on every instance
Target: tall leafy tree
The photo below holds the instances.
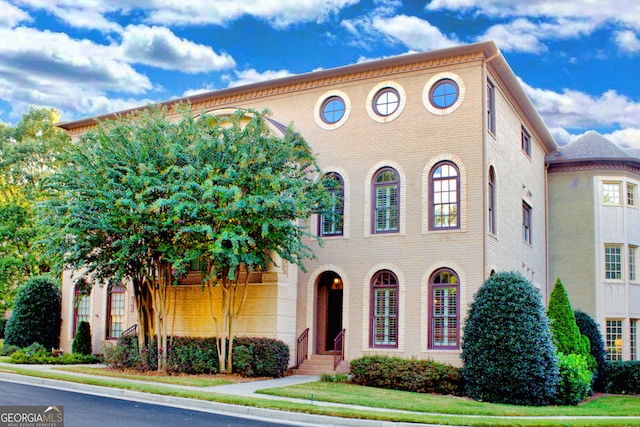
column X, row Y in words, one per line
column 29, row 151
column 141, row 198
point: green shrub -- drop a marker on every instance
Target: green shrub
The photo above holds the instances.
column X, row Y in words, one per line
column 270, row 356
column 82, row 341
column 36, row 354
column 422, row 376
column 8, row 350
column 191, row 355
column 124, row 354
column 624, row 377
column 334, row 378
column 575, row 379
column 590, row 329
column 507, row 352
column 564, row 329
column 36, row 314
column 3, row 323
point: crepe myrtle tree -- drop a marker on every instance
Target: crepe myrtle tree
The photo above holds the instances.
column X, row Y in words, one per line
column 143, row 197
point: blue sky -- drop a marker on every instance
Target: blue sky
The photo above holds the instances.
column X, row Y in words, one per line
column 579, row 60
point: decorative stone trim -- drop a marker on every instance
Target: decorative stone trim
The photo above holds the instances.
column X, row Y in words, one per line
column 463, row 193
column 311, row 300
column 346, row 220
column 435, row 79
column 403, row 198
column 424, row 300
column 317, row 113
column 372, row 94
column 366, row 306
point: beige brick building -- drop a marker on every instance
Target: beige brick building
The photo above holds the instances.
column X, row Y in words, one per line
column 594, row 234
column 441, row 156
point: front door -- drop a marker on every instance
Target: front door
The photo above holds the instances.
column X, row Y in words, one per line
column 328, row 311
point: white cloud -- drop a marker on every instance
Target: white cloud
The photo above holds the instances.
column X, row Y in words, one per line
column 628, row 41
column 191, row 92
column 574, row 109
column 159, row 47
column 252, row 76
column 523, row 35
column 10, row 15
column 280, row 13
column 413, row 32
column 51, row 69
column 629, row 137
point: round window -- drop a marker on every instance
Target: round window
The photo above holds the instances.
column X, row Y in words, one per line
column 386, row 101
column 332, row 110
column 444, row 94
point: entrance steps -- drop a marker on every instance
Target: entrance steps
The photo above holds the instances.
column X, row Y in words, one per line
column 318, row 364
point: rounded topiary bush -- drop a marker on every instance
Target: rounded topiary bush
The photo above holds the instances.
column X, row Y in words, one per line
column 82, row 341
column 507, row 352
column 589, row 328
column 575, row 379
column 36, row 314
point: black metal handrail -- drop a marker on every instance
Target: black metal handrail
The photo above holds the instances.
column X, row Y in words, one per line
column 302, row 347
column 338, row 349
column 132, row 330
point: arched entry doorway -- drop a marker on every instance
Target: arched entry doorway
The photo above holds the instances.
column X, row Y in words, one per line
column 328, row 311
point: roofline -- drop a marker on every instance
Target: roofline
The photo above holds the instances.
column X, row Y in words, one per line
column 488, row 48
column 509, row 78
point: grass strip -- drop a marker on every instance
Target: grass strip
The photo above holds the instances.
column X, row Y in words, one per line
column 176, row 380
column 423, row 402
column 460, row 420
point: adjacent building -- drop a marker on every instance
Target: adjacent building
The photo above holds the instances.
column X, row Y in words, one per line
column 440, row 158
column 594, row 234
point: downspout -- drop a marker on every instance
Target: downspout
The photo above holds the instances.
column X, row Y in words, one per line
column 546, row 233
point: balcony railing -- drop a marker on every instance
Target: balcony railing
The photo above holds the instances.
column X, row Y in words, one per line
column 302, row 347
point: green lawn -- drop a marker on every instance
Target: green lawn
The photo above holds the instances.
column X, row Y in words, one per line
column 621, row 404
column 421, row 402
column 190, row 380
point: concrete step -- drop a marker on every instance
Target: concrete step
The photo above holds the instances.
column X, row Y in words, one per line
column 316, row 364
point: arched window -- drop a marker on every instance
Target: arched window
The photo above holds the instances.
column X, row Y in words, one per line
column 491, row 203
column 384, row 310
column 81, row 306
column 444, row 309
column 331, row 222
column 386, row 197
column 444, row 196
column 115, row 312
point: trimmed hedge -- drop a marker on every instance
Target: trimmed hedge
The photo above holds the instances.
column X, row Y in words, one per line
column 36, row 314
column 624, row 377
column 575, row 379
column 507, row 351
column 422, row 376
column 589, row 328
column 36, row 354
column 252, row 357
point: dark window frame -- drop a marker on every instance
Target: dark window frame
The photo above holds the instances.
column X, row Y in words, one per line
column 445, row 104
column 432, row 193
column 492, row 200
column 491, row 107
column 525, row 141
column 337, row 194
column 78, row 295
column 374, row 202
column 109, row 330
column 526, row 223
column 379, row 94
column 434, row 285
column 325, row 104
column 384, row 275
